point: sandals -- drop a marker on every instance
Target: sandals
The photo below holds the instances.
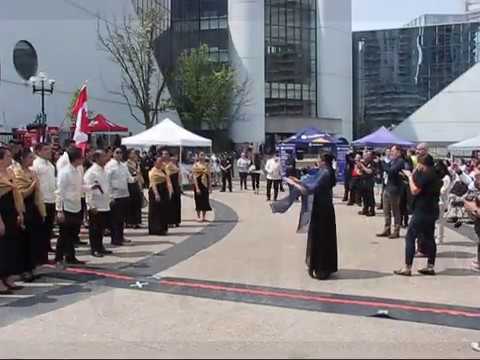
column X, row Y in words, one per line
column 403, row 272
column 12, row 287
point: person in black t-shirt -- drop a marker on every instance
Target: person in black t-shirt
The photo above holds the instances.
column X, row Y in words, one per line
column 226, row 169
column 367, row 168
column 425, row 186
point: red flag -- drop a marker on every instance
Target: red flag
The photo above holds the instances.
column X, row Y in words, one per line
column 80, row 112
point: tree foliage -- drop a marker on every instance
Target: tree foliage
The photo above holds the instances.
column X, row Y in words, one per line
column 74, row 98
column 131, row 44
column 208, row 93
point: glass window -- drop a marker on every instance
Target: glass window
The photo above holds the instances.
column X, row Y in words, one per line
column 289, row 52
column 388, row 70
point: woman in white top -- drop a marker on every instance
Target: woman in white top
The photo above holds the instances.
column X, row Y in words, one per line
column 444, row 196
column 243, row 165
column 273, row 169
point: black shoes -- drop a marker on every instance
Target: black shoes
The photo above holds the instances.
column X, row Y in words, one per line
column 106, row 252
column 74, row 261
column 97, row 254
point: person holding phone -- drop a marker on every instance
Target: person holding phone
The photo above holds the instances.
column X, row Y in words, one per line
column 367, row 170
column 98, row 203
column 425, row 185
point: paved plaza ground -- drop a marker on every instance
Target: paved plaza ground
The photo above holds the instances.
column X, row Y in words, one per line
column 238, row 287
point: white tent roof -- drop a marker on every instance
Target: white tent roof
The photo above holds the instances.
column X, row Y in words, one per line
column 167, row 133
column 466, row 145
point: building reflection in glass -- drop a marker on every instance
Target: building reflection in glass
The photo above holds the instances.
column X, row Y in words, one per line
column 397, row 71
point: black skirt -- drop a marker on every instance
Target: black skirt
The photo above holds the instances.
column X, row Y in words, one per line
column 158, row 211
column 11, row 242
column 35, row 247
column 175, row 208
column 134, row 215
column 202, row 198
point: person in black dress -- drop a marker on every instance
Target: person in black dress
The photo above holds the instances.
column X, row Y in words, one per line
column 159, row 199
column 11, row 223
column 321, row 258
column 134, row 215
column 34, row 249
column 201, row 187
column 175, row 206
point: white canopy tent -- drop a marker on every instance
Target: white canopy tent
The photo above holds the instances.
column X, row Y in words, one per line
column 466, row 145
column 167, row 133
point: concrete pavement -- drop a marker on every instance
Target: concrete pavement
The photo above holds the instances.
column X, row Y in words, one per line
column 258, row 249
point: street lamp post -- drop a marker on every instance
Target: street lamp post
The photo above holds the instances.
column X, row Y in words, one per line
column 42, row 85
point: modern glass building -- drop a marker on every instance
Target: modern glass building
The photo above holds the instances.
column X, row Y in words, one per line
column 395, row 72
column 276, row 46
column 291, row 58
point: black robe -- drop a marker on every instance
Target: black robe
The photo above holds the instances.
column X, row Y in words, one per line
column 202, row 199
column 35, row 246
column 322, row 233
column 175, row 209
column 158, row 211
column 11, row 243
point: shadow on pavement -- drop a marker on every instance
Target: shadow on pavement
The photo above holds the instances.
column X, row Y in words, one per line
column 152, row 242
column 458, row 272
column 455, row 255
column 132, row 254
column 348, row 274
column 460, row 243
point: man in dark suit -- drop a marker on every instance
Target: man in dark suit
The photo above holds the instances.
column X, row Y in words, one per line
column 392, row 193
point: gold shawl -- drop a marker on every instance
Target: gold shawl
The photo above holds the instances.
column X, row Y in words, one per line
column 159, row 176
column 7, row 184
column 24, row 182
column 171, row 169
column 202, row 171
column 134, row 168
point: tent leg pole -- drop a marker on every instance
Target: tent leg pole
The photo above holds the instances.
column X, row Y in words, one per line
column 180, row 167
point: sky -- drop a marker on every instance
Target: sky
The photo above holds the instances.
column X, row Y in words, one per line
column 383, row 14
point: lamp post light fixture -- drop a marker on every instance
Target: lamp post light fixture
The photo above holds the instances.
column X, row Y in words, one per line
column 42, row 85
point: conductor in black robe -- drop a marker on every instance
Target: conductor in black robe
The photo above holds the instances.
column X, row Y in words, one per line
column 321, row 257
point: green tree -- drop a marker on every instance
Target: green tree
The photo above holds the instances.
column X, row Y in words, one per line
column 68, row 115
column 131, row 45
column 208, row 94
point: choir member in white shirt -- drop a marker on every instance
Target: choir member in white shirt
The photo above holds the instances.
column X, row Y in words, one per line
column 118, row 179
column 273, row 169
column 45, row 171
column 69, row 206
column 98, row 202
column 62, row 162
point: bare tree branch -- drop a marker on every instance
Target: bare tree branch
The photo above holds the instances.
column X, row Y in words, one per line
column 131, row 44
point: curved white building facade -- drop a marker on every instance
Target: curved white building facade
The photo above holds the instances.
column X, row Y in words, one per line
column 334, row 63
column 297, row 66
column 64, row 36
column 246, row 19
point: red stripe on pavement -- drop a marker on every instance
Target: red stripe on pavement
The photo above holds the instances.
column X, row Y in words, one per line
column 322, row 299
column 95, row 272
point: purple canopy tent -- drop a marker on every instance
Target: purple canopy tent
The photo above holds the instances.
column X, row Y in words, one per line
column 381, row 137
